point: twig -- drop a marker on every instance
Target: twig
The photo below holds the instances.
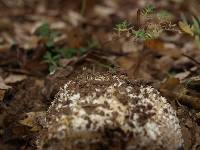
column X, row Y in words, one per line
column 138, row 18
column 83, row 7
column 192, row 59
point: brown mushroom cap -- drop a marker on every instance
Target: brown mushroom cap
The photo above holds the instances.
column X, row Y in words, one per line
column 104, row 110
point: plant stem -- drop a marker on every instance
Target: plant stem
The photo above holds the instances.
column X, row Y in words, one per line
column 83, row 7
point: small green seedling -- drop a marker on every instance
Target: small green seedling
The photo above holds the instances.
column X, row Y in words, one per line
column 193, row 28
column 154, row 23
column 45, row 32
column 51, row 60
column 164, row 15
column 148, row 10
column 140, row 34
column 54, row 53
column 52, row 57
column 122, row 26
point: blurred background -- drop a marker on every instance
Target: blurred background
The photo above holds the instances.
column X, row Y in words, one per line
column 87, row 22
column 38, row 37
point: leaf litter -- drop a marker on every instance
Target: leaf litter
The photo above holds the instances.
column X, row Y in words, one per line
column 58, row 37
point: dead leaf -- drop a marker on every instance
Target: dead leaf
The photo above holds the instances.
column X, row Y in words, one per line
column 3, row 86
column 64, row 62
column 103, row 11
column 174, row 90
column 4, row 48
column 2, row 93
column 125, row 62
column 129, row 46
column 164, row 62
column 162, row 48
column 182, row 75
column 170, row 84
column 193, row 83
column 5, row 24
column 33, row 120
column 74, row 18
column 29, row 43
column 59, row 25
column 75, row 38
column 13, row 78
column 191, row 101
column 187, row 138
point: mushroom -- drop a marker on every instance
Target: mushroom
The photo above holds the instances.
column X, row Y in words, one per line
column 107, row 110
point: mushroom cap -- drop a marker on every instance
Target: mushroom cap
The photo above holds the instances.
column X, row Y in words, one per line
column 106, row 110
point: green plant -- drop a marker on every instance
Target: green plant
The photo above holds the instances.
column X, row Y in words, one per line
column 193, row 28
column 164, row 15
column 54, row 52
column 52, row 56
column 51, row 60
column 122, row 26
column 148, row 10
column 47, row 34
column 154, row 23
column 140, row 34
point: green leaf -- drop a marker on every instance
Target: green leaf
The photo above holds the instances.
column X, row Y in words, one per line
column 67, row 52
column 71, row 52
column 43, row 30
column 196, row 26
column 52, row 60
column 47, row 57
column 121, row 26
column 164, row 15
column 197, row 40
column 140, row 34
column 93, row 44
column 54, row 34
column 50, row 43
column 148, row 10
column 195, row 23
column 83, row 50
column 52, row 68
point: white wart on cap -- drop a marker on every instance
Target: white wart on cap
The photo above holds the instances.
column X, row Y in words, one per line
column 108, row 111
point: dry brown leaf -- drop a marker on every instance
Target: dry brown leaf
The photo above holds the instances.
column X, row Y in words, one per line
column 75, row 38
column 66, row 61
column 103, row 11
column 162, row 48
column 2, row 93
column 13, row 78
column 74, row 18
column 32, row 120
column 4, row 48
column 182, row 75
column 59, row 25
column 165, row 62
column 125, row 63
column 191, row 101
column 29, row 42
column 3, row 86
column 170, row 84
column 173, row 89
column 6, row 24
column 129, row 46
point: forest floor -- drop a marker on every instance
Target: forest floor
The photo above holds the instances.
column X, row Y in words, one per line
column 42, row 43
